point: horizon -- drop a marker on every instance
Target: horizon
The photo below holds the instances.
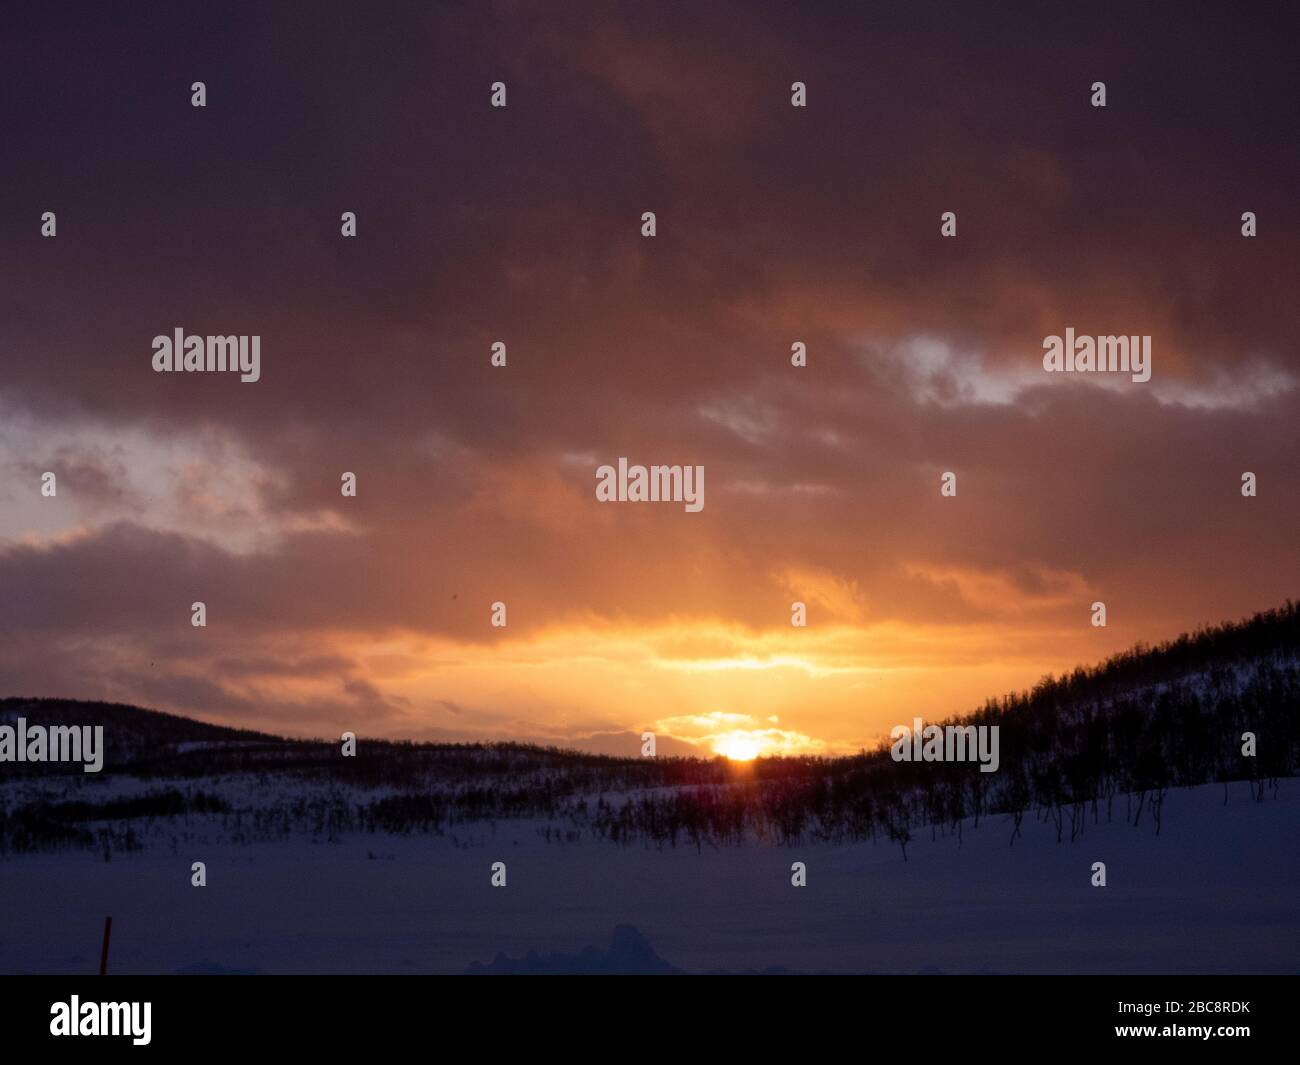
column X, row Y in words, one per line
column 879, row 746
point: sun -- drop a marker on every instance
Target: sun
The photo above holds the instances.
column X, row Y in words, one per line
column 737, row 746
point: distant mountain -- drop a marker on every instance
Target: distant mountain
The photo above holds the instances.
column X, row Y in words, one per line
column 132, row 735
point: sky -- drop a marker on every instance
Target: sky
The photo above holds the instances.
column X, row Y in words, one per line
column 523, row 224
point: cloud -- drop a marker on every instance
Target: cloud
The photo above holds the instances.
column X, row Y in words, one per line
column 475, row 484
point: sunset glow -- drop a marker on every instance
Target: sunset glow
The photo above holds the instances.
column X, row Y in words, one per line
column 738, row 746
column 814, row 586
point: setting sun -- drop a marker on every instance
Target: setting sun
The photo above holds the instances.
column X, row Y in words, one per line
column 738, row 746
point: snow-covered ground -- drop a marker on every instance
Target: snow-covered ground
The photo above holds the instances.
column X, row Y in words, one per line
column 1217, row 891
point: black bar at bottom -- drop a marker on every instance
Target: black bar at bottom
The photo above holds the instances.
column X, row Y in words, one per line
column 336, row 1013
